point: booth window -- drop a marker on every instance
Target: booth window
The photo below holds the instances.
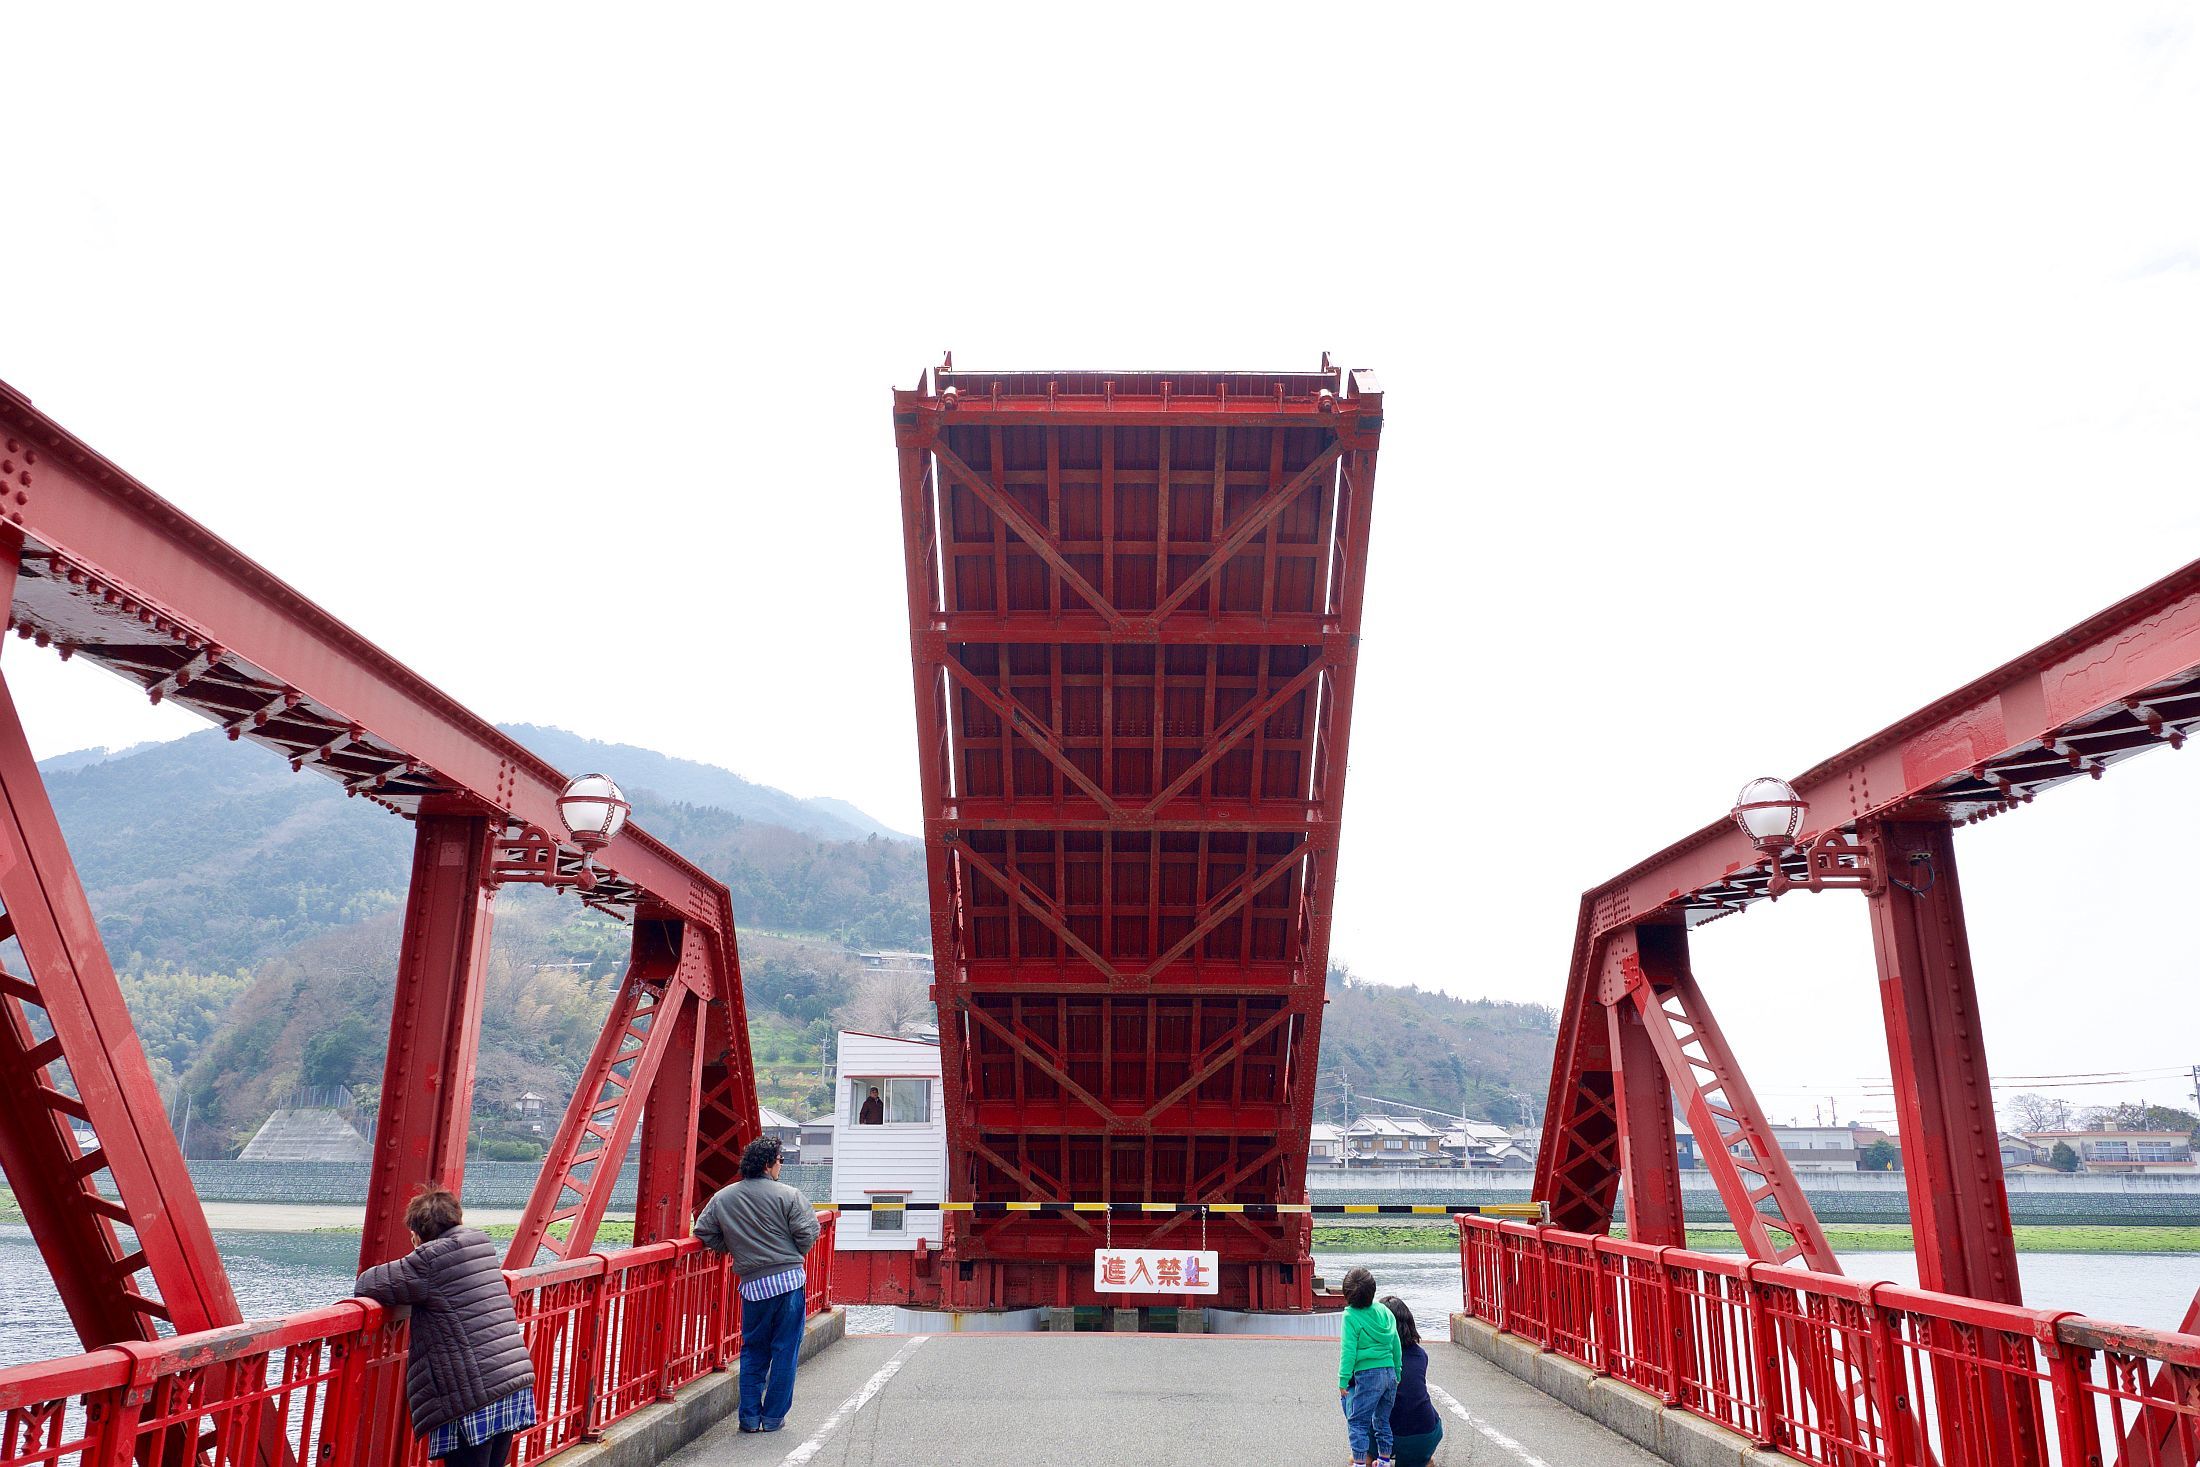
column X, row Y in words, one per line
column 890, row 1212
column 901, row 1102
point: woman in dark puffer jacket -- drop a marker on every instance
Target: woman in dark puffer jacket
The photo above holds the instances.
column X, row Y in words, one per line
column 467, row 1376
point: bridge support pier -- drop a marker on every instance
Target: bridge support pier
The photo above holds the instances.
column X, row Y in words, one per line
column 1936, row 1044
column 435, row 1023
column 1944, row 1102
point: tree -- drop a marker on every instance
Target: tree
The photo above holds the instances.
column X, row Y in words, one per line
column 1880, row 1156
column 339, row 1056
column 2040, row 1113
column 887, row 999
column 2135, row 1115
column 2062, row 1158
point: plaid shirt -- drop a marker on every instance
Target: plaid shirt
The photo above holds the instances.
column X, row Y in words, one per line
column 515, row 1413
column 772, row 1285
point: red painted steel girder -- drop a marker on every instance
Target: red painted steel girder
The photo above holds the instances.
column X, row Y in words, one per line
column 435, row 1028
column 132, row 1173
column 1134, row 613
column 2117, row 684
column 102, row 567
column 112, row 572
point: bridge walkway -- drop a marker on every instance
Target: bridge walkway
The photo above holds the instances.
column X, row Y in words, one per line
column 1108, row 1400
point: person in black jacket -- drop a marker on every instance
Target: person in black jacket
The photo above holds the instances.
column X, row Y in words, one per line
column 1415, row 1428
column 468, row 1379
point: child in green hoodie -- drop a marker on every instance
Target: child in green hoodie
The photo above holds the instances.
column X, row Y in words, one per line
column 1367, row 1371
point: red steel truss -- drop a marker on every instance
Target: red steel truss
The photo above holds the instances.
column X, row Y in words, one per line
column 102, row 568
column 1881, row 821
column 1134, row 606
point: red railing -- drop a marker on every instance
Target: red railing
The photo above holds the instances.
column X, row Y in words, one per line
column 610, row 1333
column 1836, row 1371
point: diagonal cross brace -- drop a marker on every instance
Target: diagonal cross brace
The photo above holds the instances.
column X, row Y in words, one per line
column 1686, row 1075
column 1221, row 908
column 1235, row 735
column 1014, row 717
column 1034, row 535
column 1234, row 1048
column 1115, row 1120
column 1262, row 515
column 1048, row 916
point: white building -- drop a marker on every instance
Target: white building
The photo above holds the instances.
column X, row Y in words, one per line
column 1325, row 1145
column 1387, row 1141
column 900, row 1152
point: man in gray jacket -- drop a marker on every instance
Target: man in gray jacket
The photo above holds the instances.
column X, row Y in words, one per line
column 766, row 1227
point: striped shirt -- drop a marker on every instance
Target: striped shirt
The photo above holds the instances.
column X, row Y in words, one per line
column 772, row 1285
column 514, row 1413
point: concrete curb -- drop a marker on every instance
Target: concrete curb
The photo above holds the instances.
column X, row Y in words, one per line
column 1666, row 1431
column 655, row 1432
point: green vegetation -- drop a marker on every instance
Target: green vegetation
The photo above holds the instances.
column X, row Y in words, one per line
column 9, row 1211
column 1430, row 1049
column 609, row 1234
column 1436, row 1237
column 254, row 915
column 2031, row 1238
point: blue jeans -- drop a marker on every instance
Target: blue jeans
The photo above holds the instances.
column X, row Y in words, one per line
column 1367, row 1411
column 771, row 1344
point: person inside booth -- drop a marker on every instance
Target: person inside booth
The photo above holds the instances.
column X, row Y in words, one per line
column 874, row 1110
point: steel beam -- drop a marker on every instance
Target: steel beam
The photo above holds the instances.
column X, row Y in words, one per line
column 582, row 1170
column 107, row 1086
column 116, row 574
column 1733, row 1139
column 435, row 1028
column 664, row 1196
column 1936, row 1044
column 1650, row 1169
column 1944, row 1104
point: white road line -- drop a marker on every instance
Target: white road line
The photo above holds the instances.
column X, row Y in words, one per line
column 856, row 1403
column 1498, row 1438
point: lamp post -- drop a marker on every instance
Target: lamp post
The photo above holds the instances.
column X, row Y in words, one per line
column 594, row 811
column 1771, row 814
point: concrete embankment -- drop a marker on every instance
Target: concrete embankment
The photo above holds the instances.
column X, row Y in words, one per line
column 1837, row 1197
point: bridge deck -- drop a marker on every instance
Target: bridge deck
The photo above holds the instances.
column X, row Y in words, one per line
column 978, row 1400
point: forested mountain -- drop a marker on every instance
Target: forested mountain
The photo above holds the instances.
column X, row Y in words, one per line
column 214, row 856
column 686, row 782
column 254, row 914
column 1428, row 1048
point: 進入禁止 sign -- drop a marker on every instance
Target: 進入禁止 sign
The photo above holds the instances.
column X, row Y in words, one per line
column 1154, row 1271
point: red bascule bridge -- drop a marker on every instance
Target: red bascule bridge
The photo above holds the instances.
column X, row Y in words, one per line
column 1134, row 603
column 1134, row 612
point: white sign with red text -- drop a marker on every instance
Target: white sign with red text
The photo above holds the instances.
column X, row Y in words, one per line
column 1155, row 1271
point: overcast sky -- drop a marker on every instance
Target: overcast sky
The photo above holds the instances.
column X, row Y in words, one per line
column 1755, row 375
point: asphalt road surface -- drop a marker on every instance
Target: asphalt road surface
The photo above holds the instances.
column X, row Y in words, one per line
column 1128, row 1400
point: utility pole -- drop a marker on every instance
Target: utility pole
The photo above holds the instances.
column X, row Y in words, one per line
column 1344, row 1137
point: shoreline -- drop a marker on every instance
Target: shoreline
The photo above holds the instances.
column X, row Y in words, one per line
column 1879, row 1238
column 1433, row 1237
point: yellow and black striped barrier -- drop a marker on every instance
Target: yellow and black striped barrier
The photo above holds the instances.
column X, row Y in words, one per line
column 1532, row 1211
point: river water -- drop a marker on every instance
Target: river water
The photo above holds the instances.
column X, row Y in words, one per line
column 277, row 1273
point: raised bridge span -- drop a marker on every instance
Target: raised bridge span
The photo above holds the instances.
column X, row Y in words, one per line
column 1134, row 601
